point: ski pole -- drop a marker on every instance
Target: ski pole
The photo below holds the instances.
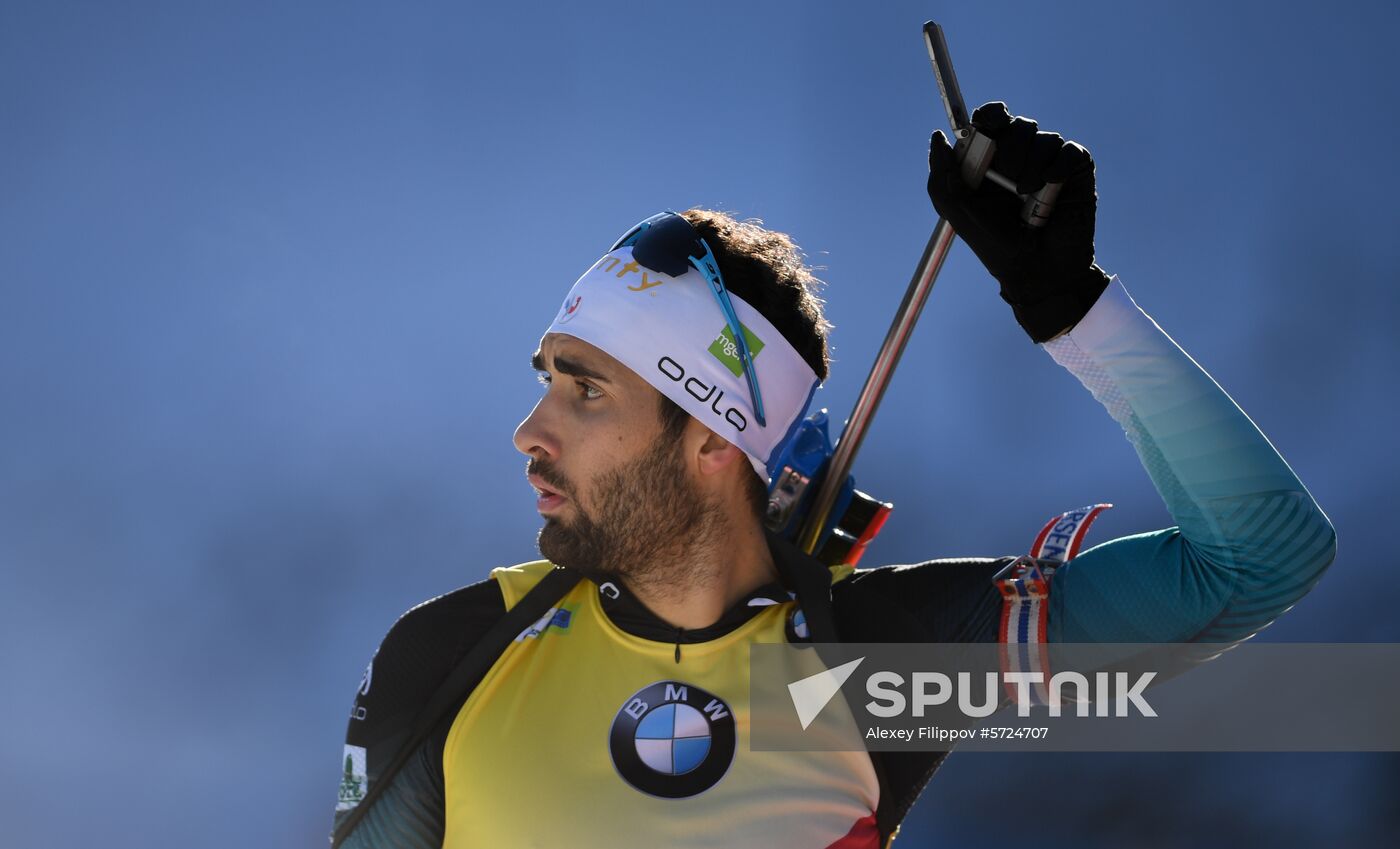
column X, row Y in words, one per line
column 976, row 155
column 975, row 150
column 870, row 394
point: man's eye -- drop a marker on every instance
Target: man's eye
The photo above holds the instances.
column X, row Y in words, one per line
column 586, row 390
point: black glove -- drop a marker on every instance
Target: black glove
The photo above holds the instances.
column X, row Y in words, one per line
column 1047, row 274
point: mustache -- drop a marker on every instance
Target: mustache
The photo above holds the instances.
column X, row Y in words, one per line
column 549, row 475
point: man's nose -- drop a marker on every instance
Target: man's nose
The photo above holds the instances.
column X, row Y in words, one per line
column 535, row 437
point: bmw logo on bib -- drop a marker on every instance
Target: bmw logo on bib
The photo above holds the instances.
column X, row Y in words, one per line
column 672, row 740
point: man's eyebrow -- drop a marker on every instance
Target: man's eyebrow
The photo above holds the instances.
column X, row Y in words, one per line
column 564, row 365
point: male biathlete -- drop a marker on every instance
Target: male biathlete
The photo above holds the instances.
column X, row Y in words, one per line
column 619, row 717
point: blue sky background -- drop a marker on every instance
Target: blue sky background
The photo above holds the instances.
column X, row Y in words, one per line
column 270, row 273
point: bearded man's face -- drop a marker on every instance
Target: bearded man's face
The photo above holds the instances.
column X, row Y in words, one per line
column 626, row 518
column 614, row 489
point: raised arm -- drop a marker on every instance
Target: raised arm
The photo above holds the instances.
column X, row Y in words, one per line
column 1249, row 540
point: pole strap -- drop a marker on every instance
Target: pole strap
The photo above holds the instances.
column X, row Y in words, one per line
column 1025, row 591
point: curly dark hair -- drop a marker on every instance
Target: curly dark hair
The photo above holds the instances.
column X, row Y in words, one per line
column 766, row 269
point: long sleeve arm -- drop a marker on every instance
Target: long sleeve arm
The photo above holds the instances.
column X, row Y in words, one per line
column 1249, row 541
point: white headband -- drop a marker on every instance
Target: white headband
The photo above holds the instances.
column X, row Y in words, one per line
column 671, row 332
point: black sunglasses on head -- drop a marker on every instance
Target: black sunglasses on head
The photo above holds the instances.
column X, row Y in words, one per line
column 667, row 243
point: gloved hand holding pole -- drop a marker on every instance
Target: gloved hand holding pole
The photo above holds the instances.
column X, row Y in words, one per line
column 1044, row 262
column 975, row 150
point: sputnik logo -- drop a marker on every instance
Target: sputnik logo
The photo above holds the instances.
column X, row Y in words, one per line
column 811, row 694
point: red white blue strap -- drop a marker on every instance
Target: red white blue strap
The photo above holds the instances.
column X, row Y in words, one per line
column 1025, row 590
column 1061, row 537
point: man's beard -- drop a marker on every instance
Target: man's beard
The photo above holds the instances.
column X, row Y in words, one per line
column 645, row 515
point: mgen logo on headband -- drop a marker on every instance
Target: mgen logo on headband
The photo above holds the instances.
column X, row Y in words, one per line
column 727, row 352
column 669, row 332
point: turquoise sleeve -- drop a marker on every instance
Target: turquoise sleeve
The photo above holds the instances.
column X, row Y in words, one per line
column 1249, row 540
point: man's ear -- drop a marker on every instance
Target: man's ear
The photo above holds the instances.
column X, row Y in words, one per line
column 713, row 453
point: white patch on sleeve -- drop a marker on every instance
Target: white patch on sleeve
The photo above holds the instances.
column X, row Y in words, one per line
column 354, row 779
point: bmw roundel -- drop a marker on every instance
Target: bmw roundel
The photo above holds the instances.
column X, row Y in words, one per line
column 672, row 739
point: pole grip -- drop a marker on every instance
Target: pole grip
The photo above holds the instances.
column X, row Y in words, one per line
column 1039, row 205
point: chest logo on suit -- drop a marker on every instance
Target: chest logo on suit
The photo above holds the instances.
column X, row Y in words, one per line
column 672, row 739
